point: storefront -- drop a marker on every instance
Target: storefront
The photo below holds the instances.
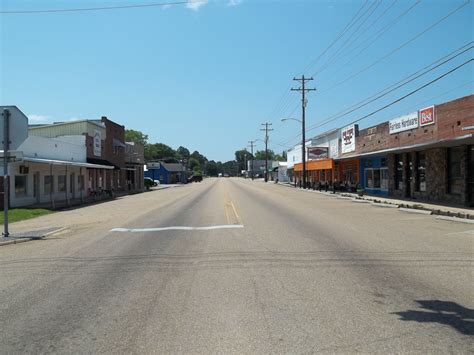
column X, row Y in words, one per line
column 317, row 171
column 374, row 175
column 347, row 173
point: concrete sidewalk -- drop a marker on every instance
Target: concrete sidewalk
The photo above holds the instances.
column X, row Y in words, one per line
column 441, row 210
column 26, row 236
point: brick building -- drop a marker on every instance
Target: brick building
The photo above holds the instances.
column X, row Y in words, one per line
column 426, row 155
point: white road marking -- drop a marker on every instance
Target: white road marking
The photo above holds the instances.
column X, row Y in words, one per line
column 183, row 228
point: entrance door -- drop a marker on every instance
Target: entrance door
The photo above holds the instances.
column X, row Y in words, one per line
column 72, row 185
column 409, row 174
column 36, row 187
column 471, row 176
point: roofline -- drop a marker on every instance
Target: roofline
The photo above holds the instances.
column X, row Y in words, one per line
column 67, row 123
column 65, row 162
column 419, row 146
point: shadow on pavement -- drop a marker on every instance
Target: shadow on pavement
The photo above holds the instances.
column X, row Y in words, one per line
column 442, row 312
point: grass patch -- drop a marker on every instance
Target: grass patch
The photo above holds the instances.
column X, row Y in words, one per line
column 20, row 214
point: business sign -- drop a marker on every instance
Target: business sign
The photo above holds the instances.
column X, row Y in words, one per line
column 404, row 123
column 317, row 152
column 348, row 137
column 334, row 148
column 97, row 143
column 427, row 116
column 154, row 165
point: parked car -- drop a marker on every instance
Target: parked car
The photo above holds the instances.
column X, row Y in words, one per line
column 149, row 183
column 195, row 178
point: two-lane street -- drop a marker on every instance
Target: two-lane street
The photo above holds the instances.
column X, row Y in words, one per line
column 238, row 266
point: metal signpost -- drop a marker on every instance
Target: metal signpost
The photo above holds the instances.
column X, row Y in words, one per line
column 14, row 130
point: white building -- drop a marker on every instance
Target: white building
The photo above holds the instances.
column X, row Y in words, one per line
column 51, row 172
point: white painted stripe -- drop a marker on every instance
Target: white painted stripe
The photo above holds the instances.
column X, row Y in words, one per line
column 184, row 228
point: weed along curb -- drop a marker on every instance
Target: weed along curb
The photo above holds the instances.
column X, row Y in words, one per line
column 32, row 235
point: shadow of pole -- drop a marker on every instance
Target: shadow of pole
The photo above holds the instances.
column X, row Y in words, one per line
column 443, row 312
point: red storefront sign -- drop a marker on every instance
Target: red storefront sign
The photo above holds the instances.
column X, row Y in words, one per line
column 427, row 116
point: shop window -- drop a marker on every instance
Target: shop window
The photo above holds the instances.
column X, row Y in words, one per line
column 454, row 170
column 21, row 182
column 80, row 182
column 48, row 184
column 62, row 183
column 383, row 162
column 376, row 178
column 384, row 179
column 421, row 171
column 369, row 180
column 398, row 172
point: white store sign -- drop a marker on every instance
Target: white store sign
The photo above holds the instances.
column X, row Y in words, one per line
column 97, row 143
column 404, row 123
column 348, row 136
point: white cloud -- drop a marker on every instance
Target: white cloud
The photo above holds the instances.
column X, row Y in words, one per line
column 38, row 118
column 196, row 4
column 234, row 2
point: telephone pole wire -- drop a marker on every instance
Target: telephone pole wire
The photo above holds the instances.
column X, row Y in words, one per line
column 266, row 129
column 304, row 101
column 252, row 143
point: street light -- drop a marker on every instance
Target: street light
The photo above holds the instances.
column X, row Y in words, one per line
column 303, row 147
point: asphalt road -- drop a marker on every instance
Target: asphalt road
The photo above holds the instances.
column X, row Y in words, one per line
column 259, row 268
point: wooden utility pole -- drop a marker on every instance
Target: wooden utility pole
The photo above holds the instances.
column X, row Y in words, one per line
column 252, row 143
column 303, row 91
column 266, row 129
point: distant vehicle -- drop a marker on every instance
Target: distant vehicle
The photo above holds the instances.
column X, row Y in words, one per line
column 149, row 183
column 226, row 175
column 157, row 182
column 219, row 175
column 195, row 178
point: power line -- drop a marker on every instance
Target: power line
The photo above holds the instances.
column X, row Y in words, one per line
column 399, row 47
column 414, row 91
column 403, row 97
column 430, row 67
column 402, row 82
column 374, row 38
column 103, row 8
column 285, row 99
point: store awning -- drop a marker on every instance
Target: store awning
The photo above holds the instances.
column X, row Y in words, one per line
column 466, row 139
column 321, row 164
column 70, row 163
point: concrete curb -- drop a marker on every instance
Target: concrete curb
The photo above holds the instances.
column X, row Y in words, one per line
column 451, row 216
column 360, row 201
column 19, row 240
column 384, row 205
column 456, row 219
column 413, row 210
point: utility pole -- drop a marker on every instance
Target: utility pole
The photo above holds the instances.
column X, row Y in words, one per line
column 266, row 129
column 252, row 143
column 303, row 90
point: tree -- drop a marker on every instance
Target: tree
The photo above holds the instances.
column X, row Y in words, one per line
column 211, row 168
column 159, row 151
column 260, row 155
column 241, row 156
column 183, row 152
column 193, row 163
column 231, row 167
column 136, row 136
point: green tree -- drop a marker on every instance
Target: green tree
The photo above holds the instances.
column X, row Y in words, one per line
column 132, row 135
column 193, row 163
column 260, row 155
column 183, row 152
column 159, row 151
column 241, row 156
column 211, row 168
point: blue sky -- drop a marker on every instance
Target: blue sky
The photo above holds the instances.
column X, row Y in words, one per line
column 207, row 75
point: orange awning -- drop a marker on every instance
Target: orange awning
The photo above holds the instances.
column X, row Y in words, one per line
column 321, row 164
